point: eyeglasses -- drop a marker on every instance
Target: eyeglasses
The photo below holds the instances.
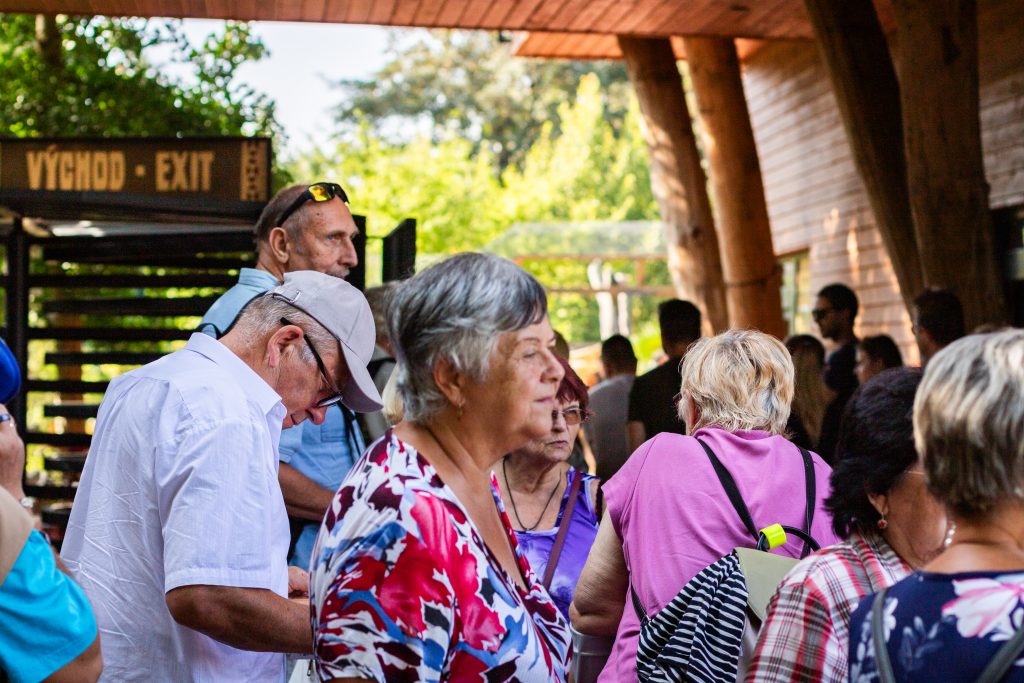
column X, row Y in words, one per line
column 819, row 313
column 317, row 192
column 335, row 396
column 573, row 416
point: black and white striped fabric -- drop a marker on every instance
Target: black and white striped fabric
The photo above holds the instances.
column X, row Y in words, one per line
column 697, row 636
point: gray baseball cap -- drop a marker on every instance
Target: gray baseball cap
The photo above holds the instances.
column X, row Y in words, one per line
column 343, row 311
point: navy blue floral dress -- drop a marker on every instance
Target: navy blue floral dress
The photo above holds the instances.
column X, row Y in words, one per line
column 941, row 627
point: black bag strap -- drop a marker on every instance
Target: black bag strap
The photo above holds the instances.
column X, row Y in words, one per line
column 731, row 490
column 217, row 334
column 1003, row 659
column 729, row 484
column 811, row 493
column 763, row 542
column 641, row 613
column 882, row 663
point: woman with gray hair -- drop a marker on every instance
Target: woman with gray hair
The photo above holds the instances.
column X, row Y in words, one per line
column 416, row 571
column 667, row 515
column 961, row 618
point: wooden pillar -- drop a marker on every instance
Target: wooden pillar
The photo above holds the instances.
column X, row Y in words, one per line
column 752, row 276
column 677, row 177
column 860, row 68
column 938, row 61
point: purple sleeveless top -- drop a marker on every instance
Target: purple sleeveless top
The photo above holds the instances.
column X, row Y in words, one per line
column 537, row 545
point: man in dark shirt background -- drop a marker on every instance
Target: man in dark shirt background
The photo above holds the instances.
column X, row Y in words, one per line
column 938, row 321
column 652, row 406
column 834, row 312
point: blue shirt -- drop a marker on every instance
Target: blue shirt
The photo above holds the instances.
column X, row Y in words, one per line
column 224, row 311
column 45, row 619
column 940, row 627
column 323, row 453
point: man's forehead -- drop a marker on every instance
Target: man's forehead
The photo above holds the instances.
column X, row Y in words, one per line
column 332, row 216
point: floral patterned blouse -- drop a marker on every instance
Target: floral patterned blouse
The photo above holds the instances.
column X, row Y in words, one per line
column 403, row 587
column 941, row 627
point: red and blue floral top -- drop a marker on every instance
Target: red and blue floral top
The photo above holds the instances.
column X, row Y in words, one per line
column 403, row 587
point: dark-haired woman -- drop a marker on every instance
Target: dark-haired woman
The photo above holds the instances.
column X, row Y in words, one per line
column 961, row 618
column 540, row 489
column 891, row 526
column 875, row 354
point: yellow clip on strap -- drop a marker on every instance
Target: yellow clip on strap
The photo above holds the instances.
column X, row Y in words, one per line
column 775, row 534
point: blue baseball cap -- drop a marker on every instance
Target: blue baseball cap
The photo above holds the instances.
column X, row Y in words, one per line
column 10, row 374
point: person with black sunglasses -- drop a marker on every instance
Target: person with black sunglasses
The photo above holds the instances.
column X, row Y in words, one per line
column 834, row 313
column 304, row 227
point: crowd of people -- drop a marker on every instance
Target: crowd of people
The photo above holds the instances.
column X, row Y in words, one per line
column 323, row 485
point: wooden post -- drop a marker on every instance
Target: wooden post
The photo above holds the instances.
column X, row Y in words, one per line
column 859, row 66
column 752, row 276
column 677, row 176
column 938, row 45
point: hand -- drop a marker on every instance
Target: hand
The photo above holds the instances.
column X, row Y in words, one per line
column 298, row 583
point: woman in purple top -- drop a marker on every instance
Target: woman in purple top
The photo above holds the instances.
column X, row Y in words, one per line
column 542, row 492
column 667, row 515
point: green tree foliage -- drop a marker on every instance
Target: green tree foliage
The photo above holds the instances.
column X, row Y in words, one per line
column 466, row 84
column 587, row 168
column 78, row 76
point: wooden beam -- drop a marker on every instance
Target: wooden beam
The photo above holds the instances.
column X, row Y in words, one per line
column 938, row 46
column 752, row 276
column 677, row 177
column 860, row 68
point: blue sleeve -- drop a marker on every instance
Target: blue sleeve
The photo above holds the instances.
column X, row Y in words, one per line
column 45, row 619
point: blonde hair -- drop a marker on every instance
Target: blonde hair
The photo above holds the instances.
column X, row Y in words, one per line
column 394, row 409
column 740, row 379
column 810, row 395
column 969, row 422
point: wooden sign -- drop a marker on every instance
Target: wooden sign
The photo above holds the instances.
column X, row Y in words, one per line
column 224, row 169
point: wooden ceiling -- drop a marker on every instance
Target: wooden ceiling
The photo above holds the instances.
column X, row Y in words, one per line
column 740, row 18
column 558, row 45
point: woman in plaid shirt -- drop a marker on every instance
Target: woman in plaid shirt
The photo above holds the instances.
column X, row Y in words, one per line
column 891, row 526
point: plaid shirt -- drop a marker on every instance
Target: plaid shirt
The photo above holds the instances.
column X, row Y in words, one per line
column 805, row 636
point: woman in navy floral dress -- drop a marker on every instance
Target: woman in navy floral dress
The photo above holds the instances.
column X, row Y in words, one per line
column 416, row 572
column 947, row 622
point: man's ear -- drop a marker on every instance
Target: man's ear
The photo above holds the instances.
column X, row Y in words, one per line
column 279, row 341
column 450, row 381
column 278, row 244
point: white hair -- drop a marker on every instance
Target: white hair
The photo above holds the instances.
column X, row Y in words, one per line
column 456, row 310
column 262, row 316
column 969, row 422
column 740, row 379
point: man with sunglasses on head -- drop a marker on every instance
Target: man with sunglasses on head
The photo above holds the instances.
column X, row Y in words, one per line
column 179, row 530
column 304, row 227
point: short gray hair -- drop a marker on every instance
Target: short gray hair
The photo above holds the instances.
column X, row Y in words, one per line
column 740, row 379
column 969, row 422
column 456, row 310
column 262, row 316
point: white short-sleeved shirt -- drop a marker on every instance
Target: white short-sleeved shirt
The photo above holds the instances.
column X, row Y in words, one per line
column 180, row 488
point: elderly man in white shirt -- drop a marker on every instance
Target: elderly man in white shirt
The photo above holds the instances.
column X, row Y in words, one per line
column 179, row 533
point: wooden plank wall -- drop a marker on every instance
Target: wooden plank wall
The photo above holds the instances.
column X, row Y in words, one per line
column 816, row 201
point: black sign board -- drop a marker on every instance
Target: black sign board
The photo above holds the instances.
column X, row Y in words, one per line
column 400, row 252
column 136, row 177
